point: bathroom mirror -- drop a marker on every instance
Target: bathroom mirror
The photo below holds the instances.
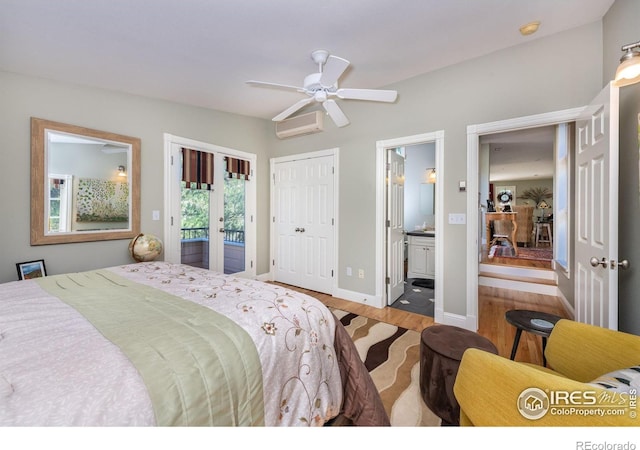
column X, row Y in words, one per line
column 85, row 184
column 427, row 198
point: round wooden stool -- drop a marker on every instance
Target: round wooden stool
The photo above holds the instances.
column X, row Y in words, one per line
column 441, row 349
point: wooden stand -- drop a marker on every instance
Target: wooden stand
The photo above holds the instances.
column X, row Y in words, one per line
column 511, row 216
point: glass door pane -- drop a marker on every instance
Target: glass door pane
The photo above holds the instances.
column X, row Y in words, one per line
column 234, row 225
column 194, row 224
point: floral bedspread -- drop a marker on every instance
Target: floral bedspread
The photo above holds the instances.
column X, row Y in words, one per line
column 293, row 333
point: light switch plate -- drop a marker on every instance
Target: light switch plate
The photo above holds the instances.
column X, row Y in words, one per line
column 457, row 219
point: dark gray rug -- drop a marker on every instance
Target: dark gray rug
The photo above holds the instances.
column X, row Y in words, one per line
column 423, row 282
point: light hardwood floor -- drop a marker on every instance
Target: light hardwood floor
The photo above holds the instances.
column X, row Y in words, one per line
column 493, row 303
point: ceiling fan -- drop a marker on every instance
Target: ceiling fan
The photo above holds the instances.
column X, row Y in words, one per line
column 322, row 86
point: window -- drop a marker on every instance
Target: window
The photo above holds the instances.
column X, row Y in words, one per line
column 562, row 195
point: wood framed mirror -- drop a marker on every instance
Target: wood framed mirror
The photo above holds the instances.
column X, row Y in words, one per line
column 85, row 184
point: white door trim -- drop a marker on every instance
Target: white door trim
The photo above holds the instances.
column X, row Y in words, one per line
column 473, row 145
column 381, row 263
column 335, row 153
column 172, row 248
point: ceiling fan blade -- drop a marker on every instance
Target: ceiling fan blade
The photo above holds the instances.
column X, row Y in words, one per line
column 275, row 85
column 376, row 95
column 333, row 70
column 293, row 108
column 335, row 113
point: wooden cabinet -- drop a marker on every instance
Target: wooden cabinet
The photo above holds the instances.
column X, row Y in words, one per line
column 422, row 259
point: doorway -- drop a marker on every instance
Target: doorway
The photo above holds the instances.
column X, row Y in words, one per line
column 411, row 228
column 384, row 255
column 516, row 176
column 475, row 208
column 210, row 223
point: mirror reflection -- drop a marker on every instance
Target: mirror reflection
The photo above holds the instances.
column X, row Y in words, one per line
column 84, row 184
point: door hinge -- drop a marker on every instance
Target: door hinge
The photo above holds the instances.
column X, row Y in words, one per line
column 274, row 178
column 171, row 220
column 388, row 166
column 332, row 222
column 273, row 262
column 172, row 160
column 388, row 280
column 333, row 170
column 274, row 219
column 388, row 223
column 252, row 264
column 332, row 274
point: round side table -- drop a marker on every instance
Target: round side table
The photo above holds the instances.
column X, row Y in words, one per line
column 535, row 322
column 441, row 349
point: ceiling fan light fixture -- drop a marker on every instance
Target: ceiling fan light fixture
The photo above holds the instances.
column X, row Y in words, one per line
column 529, row 28
column 321, row 86
column 628, row 72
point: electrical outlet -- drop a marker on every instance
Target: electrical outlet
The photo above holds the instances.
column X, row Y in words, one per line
column 155, row 215
column 349, row 271
column 360, row 273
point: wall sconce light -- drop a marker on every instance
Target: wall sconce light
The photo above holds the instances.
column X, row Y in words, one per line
column 122, row 172
column 430, row 175
column 628, row 71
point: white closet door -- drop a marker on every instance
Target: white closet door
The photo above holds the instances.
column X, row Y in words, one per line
column 304, row 223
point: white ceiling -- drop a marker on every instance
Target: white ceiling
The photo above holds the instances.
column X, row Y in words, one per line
column 201, row 52
column 521, row 155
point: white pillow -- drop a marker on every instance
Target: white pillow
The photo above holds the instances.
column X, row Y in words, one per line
column 622, row 380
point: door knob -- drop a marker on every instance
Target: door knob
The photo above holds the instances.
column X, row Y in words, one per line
column 297, row 230
column 221, row 230
column 301, row 230
column 624, row 264
column 595, row 262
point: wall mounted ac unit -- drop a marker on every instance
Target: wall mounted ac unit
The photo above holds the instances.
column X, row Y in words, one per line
column 299, row 125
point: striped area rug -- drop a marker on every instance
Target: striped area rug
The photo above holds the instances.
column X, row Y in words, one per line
column 392, row 356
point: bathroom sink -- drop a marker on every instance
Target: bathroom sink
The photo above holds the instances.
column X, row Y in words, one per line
column 427, row 233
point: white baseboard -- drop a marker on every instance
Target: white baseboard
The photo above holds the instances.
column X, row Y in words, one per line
column 457, row 320
column 359, row 297
column 265, row 277
column 567, row 305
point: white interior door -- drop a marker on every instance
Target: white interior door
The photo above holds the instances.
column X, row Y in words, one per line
column 395, row 226
column 596, row 240
column 304, row 222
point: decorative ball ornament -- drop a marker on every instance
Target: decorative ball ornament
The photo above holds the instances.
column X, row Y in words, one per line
column 145, row 247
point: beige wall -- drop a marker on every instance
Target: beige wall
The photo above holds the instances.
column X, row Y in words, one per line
column 536, row 77
column 23, row 97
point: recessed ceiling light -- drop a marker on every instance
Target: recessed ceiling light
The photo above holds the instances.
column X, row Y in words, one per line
column 529, row 28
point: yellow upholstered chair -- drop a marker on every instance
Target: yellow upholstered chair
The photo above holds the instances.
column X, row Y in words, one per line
column 489, row 388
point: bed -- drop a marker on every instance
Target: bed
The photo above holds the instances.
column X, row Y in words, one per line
column 161, row 344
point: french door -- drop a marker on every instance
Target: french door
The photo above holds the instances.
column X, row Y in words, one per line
column 212, row 224
column 211, row 228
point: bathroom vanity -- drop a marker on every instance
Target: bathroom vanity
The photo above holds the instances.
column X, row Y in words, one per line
column 421, row 254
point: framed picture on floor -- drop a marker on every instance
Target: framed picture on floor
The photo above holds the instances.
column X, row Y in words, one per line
column 31, row 269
